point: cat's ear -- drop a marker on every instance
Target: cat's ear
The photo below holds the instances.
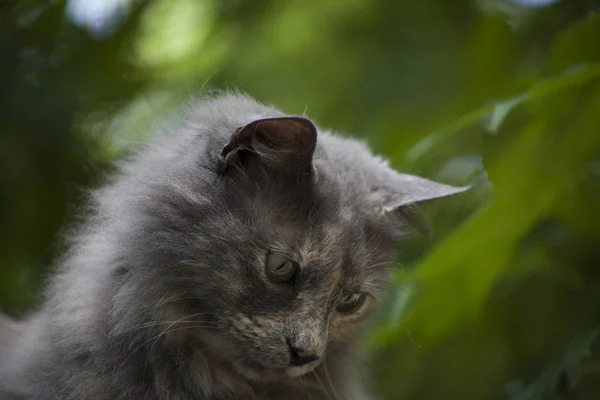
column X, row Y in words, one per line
column 281, row 142
column 398, row 191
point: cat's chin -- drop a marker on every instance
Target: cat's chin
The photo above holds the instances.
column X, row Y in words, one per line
column 295, row 372
column 261, row 373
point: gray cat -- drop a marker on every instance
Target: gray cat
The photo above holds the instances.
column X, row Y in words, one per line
column 235, row 257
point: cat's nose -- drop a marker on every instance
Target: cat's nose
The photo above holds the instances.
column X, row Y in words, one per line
column 301, row 355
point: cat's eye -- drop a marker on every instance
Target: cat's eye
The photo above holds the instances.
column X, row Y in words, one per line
column 280, row 268
column 351, row 303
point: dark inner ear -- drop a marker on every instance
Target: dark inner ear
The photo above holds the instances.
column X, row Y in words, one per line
column 282, row 143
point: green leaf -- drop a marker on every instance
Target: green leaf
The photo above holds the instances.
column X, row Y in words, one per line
column 501, row 111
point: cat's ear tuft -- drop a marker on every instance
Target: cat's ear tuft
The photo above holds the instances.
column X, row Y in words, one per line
column 403, row 190
column 279, row 141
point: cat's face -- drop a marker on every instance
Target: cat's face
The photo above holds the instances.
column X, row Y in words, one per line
column 296, row 287
column 270, row 263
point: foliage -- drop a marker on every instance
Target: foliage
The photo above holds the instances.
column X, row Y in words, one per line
column 502, row 301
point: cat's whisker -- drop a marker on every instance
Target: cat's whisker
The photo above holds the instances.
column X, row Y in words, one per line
column 158, row 323
column 310, row 384
column 412, row 340
column 401, row 268
column 153, row 324
column 333, row 391
column 307, row 386
column 385, row 263
column 170, row 300
column 160, row 335
column 155, row 338
column 184, row 318
column 166, row 331
column 319, row 380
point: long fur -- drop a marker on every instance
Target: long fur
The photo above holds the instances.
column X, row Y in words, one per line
column 163, row 293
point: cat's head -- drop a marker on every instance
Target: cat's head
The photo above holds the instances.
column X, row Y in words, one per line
column 270, row 249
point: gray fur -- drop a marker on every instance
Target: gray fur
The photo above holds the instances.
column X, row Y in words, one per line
column 163, row 294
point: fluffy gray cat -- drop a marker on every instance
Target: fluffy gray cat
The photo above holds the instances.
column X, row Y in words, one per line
column 234, row 257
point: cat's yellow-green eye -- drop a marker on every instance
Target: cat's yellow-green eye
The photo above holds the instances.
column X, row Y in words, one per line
column 351, row 303
column 280, row 268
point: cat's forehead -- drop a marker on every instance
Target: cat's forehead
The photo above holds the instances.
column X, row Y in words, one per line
column 337, row 238
column 332, row 221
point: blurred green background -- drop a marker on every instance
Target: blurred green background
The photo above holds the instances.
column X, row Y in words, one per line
column 501, row 301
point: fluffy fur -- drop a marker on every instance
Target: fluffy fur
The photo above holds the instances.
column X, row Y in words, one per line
column 164, row 295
